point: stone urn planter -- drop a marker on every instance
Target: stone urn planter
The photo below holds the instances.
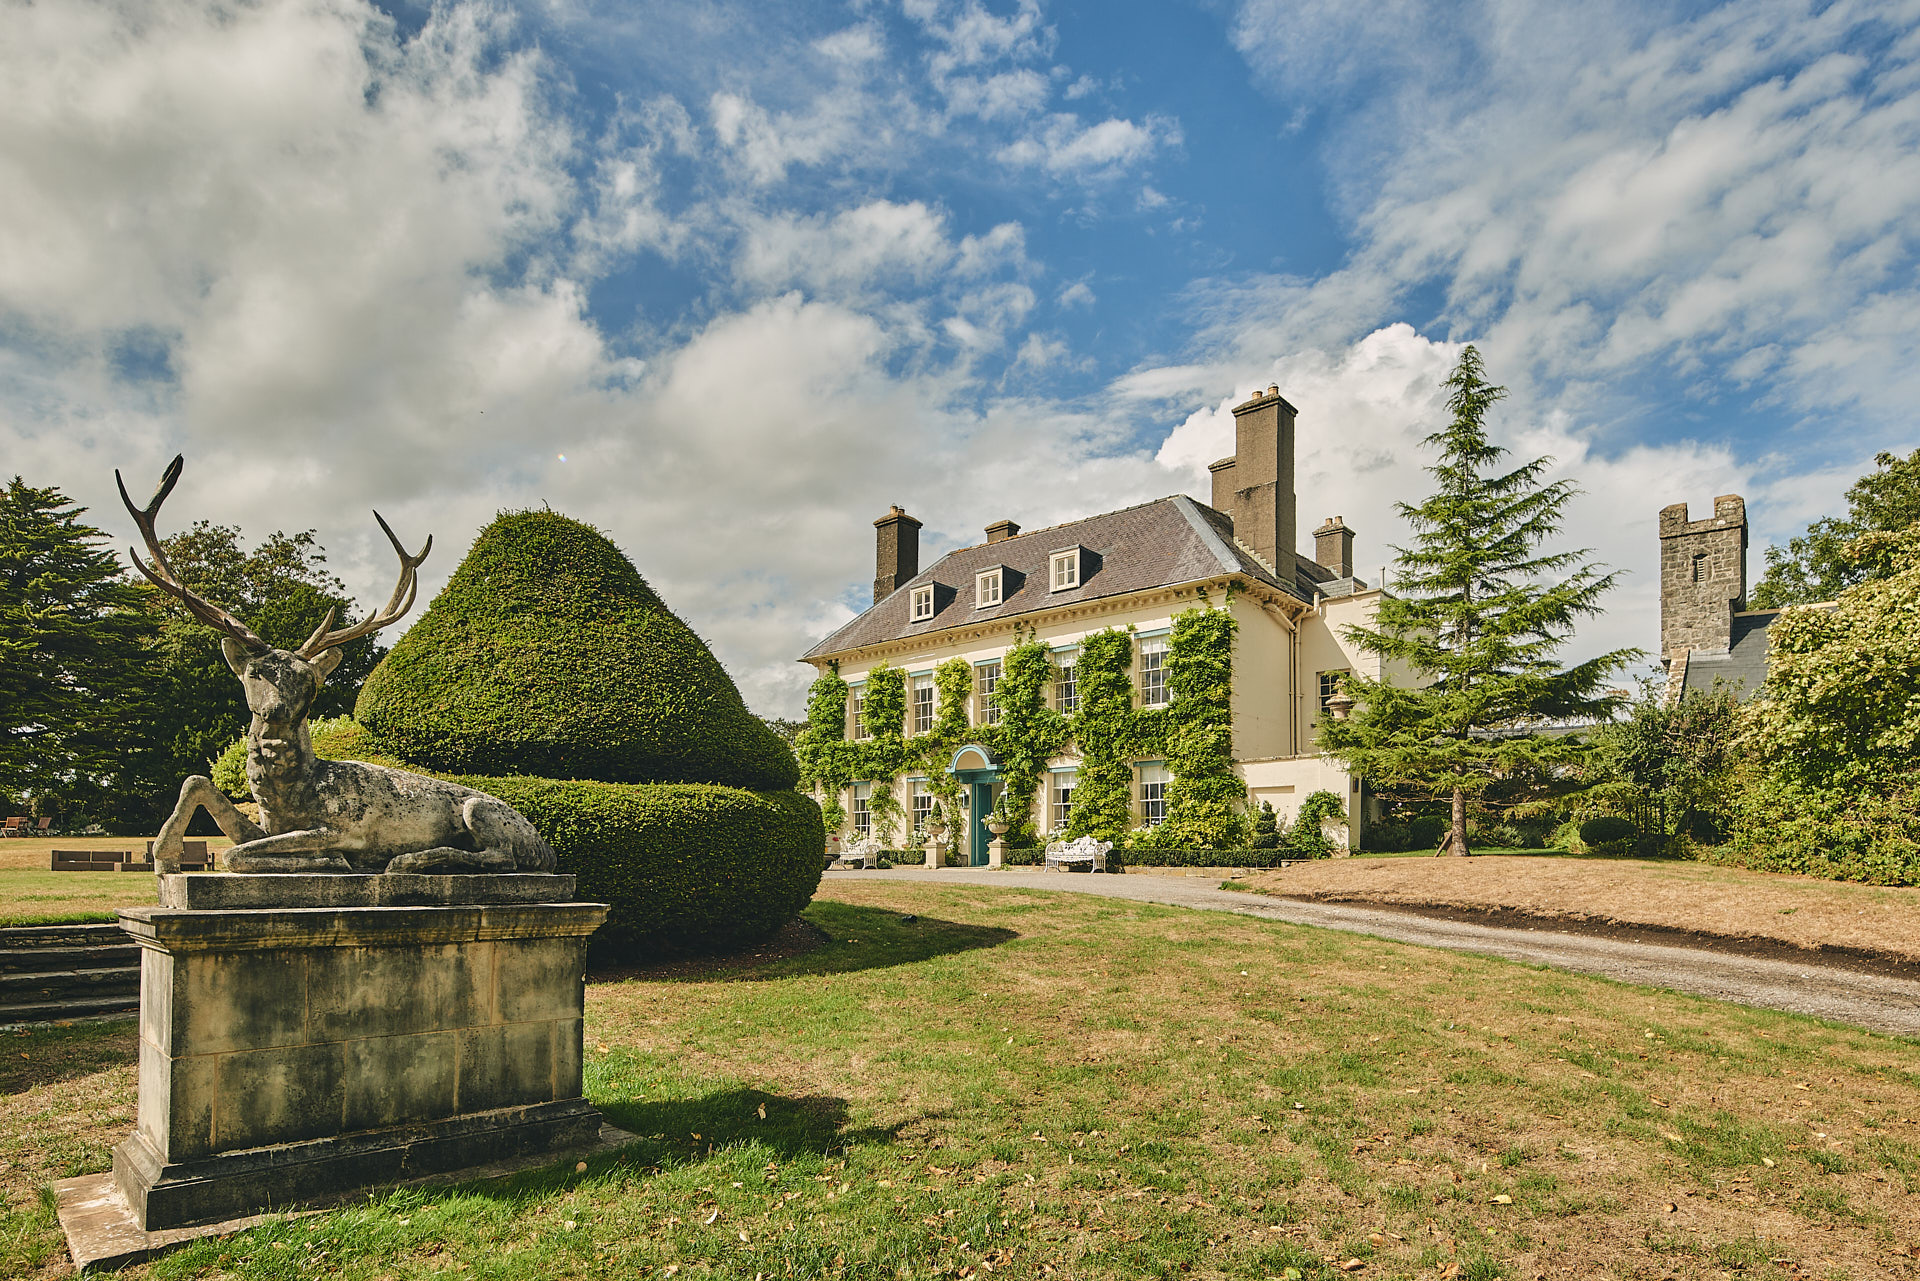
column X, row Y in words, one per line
column 997, row 847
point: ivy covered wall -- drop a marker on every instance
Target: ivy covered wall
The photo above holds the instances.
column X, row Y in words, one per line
column 1193, row 734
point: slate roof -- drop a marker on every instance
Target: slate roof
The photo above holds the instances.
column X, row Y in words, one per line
column 1743, row 664
column 1158, row 544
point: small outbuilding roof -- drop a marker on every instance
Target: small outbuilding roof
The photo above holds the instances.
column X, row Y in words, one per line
column 1743, row 664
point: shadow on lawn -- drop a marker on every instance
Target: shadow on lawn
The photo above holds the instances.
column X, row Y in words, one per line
column 828, row 938
column 675, row 1133
column 47, row 1053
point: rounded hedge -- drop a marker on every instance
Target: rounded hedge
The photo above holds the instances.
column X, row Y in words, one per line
column 686, row 867
column 547, row 654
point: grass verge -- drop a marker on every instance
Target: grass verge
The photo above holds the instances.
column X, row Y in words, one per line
column 1032, row 1084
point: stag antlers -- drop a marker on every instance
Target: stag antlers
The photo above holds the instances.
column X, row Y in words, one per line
column 162, row 575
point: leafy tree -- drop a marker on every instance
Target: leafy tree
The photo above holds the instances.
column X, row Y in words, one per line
column 1484, row 613
column 1833, row 744
column 72, row 652
column 280, row 588
column 1679, row 753
column 1816, row 565
column 1841, row 706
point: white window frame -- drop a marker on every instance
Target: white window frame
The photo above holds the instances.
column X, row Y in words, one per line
column 920, row 804
column 1060, row 789
column 982, row 581
column 984, row 685
column 1153, row 676
column 857, row 704
column 921, row 604
column 923, row 685
column 862, row 810
column 1063, row 569
column 1153, row 792
column 1066, row 683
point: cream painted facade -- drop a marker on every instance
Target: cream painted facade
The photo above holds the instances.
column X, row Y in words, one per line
column 1284, row 647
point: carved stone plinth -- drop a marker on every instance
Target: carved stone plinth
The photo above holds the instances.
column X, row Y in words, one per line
column 306, row 1036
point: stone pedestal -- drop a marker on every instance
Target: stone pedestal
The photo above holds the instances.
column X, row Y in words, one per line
column 936, row 852
column 303, row 1037
column 997, row 851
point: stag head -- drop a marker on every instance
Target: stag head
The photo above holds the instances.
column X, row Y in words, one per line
column 280, row 684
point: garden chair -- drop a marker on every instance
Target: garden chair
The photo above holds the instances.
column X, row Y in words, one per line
column 16, row 826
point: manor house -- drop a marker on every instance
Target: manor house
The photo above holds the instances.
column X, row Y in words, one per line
column 1134, row 568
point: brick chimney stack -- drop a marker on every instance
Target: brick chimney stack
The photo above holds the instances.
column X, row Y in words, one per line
column 1333, row 547
column 1255, row 486
column 896, row 552
column 1001, row 530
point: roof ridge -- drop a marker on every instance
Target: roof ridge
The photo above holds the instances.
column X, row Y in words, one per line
column 1077, row 520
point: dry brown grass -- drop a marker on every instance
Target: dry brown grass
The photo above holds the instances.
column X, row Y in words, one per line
column 1108, row 1089
column 1669, row 894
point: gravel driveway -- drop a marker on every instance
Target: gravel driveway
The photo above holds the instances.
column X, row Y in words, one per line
column 1880, row 1003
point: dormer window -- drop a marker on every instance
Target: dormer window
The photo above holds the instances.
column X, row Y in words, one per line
column 920, row 607
column 1066, row 569
column 986, row 588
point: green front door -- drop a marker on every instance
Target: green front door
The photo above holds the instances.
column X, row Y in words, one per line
column 980, row 803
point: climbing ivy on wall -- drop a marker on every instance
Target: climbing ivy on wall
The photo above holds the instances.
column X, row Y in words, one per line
column 1194, row 734
column 883, row 755
column 1206, row 801
column 1031, row 731
column 821, row 748
column 1104, row 728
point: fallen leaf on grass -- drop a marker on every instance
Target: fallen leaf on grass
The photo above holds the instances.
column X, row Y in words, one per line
column 1352, row 1265
column 1767, row 1161
column 708, row 1221
column 1503, row 1199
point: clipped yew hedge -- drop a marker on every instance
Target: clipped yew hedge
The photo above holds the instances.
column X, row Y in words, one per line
column 687, row 867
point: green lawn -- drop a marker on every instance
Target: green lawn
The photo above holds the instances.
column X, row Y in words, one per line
column 1042, row 1084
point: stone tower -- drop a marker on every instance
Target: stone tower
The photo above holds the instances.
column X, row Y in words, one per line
column 1703, row 576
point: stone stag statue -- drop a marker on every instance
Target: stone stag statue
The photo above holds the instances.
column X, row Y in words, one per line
column 327, row 816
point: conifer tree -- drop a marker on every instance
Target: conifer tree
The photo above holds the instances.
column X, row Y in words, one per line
column 73, row 660
column 1469, row 643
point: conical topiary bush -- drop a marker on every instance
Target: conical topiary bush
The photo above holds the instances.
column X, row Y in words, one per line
column 549, row 674
column 547, row 654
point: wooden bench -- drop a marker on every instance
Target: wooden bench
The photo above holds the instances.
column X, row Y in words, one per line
column 96, row 861
column 194, row 858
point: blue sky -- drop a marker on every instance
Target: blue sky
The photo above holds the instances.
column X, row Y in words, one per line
column 728, row 279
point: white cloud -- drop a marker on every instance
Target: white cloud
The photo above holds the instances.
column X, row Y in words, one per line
column 852, row 248
column 1068, row 147
column 1624, row 191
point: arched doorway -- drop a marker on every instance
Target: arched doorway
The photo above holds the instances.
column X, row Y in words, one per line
column 979, row 776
